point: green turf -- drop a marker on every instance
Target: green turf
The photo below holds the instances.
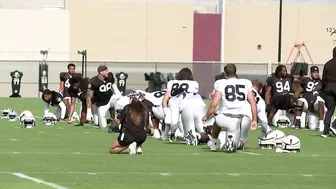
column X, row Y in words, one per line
column 77, row 157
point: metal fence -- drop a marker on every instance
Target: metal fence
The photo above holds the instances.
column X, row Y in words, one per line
column 204, row 73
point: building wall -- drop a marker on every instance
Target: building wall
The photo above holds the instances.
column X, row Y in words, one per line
column 132, row 31
column 250, row 25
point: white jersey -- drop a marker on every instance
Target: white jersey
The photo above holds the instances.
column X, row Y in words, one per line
column 185, row 99
column 177, row 86
column 234, row 95
column 154, row 97
column 260, row 101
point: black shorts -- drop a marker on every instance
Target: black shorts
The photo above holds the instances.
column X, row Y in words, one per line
column 283, row 102
column 126, row 137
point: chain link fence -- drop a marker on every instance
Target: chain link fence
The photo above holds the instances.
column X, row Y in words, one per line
column 204, row 73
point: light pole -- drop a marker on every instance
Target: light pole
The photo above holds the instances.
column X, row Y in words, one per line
column 280, row 33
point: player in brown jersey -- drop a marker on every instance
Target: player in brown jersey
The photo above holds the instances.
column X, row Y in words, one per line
column 105, row 92
column 310, row 88
column 65, row 84
column 78, row 89
column 55, row 99
column 277, row 95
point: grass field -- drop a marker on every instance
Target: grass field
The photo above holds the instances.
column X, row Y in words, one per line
column 65, row 156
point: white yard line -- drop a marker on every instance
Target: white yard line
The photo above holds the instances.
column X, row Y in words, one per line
column 250, row 153
column 240, row 153
column 22, row 174
column 52, row 185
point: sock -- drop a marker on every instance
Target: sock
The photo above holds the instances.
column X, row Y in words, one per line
column 298, row 121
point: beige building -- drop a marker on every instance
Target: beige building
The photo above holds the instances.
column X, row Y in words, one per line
column 148, row 31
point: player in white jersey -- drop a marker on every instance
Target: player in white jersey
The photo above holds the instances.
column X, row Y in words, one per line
column 235, row 94
column 184, row 83
column 192, row 108
column 261, row 106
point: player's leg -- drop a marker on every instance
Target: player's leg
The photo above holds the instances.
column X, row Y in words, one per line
column 66, row 101
column 244, row 128
column 94, row 110
column 300, row 106
column 312, row 120
column 232, row 127
column 262, row 117
column 102, row 110
column 199, row 125
column 319, row 107
column 187, row 118
column 83, row 114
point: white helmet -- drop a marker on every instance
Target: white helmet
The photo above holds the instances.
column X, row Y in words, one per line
column 266, row 140
column 28, row 121
column 283, row 122
column 26, row 113
column 12, row 116
column 49, row 119
column 291, row 143
column 5, row 113
column 279, row 136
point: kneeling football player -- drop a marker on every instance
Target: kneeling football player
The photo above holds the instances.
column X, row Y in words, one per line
column 134, row 120
column 54, row 99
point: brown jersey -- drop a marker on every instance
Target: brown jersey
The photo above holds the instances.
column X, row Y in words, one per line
column 102, row 89
column 81, row 91
column 56, row 98
column 311, row 88
column 280, row 86
column 65, row 76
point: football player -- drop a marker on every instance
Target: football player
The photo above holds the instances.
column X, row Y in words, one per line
column 261, row 106
column 310, row 100
column 192, row 108
column 184, row 82
column 54, row 99
column 105, row 92
column 235, row 94
column 277, row 95
column 64, row 84
column 78, row 89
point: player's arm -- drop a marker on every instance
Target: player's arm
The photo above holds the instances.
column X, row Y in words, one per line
column 269, row 83
column 61, row 87
column 165, row 99
column 46, row 108
column 89, row 95
column 293, row 83
column 116, row 90
column 298, row 92
column 72, row 106
column 268, row 94
column 251, row 100
column 213, row 104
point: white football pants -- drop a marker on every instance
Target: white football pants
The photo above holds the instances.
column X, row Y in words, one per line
column 231, row 126
column 60, row 110
column 191, row 117
column 103, row 110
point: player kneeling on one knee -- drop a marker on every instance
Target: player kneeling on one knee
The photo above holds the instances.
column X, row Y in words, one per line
column 235, row 95
column 134, row 119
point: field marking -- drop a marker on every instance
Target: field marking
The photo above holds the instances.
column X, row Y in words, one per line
column 250, row 153
column 175, row 173
column 39, row 181
column 13, row 139
column 241, row 153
